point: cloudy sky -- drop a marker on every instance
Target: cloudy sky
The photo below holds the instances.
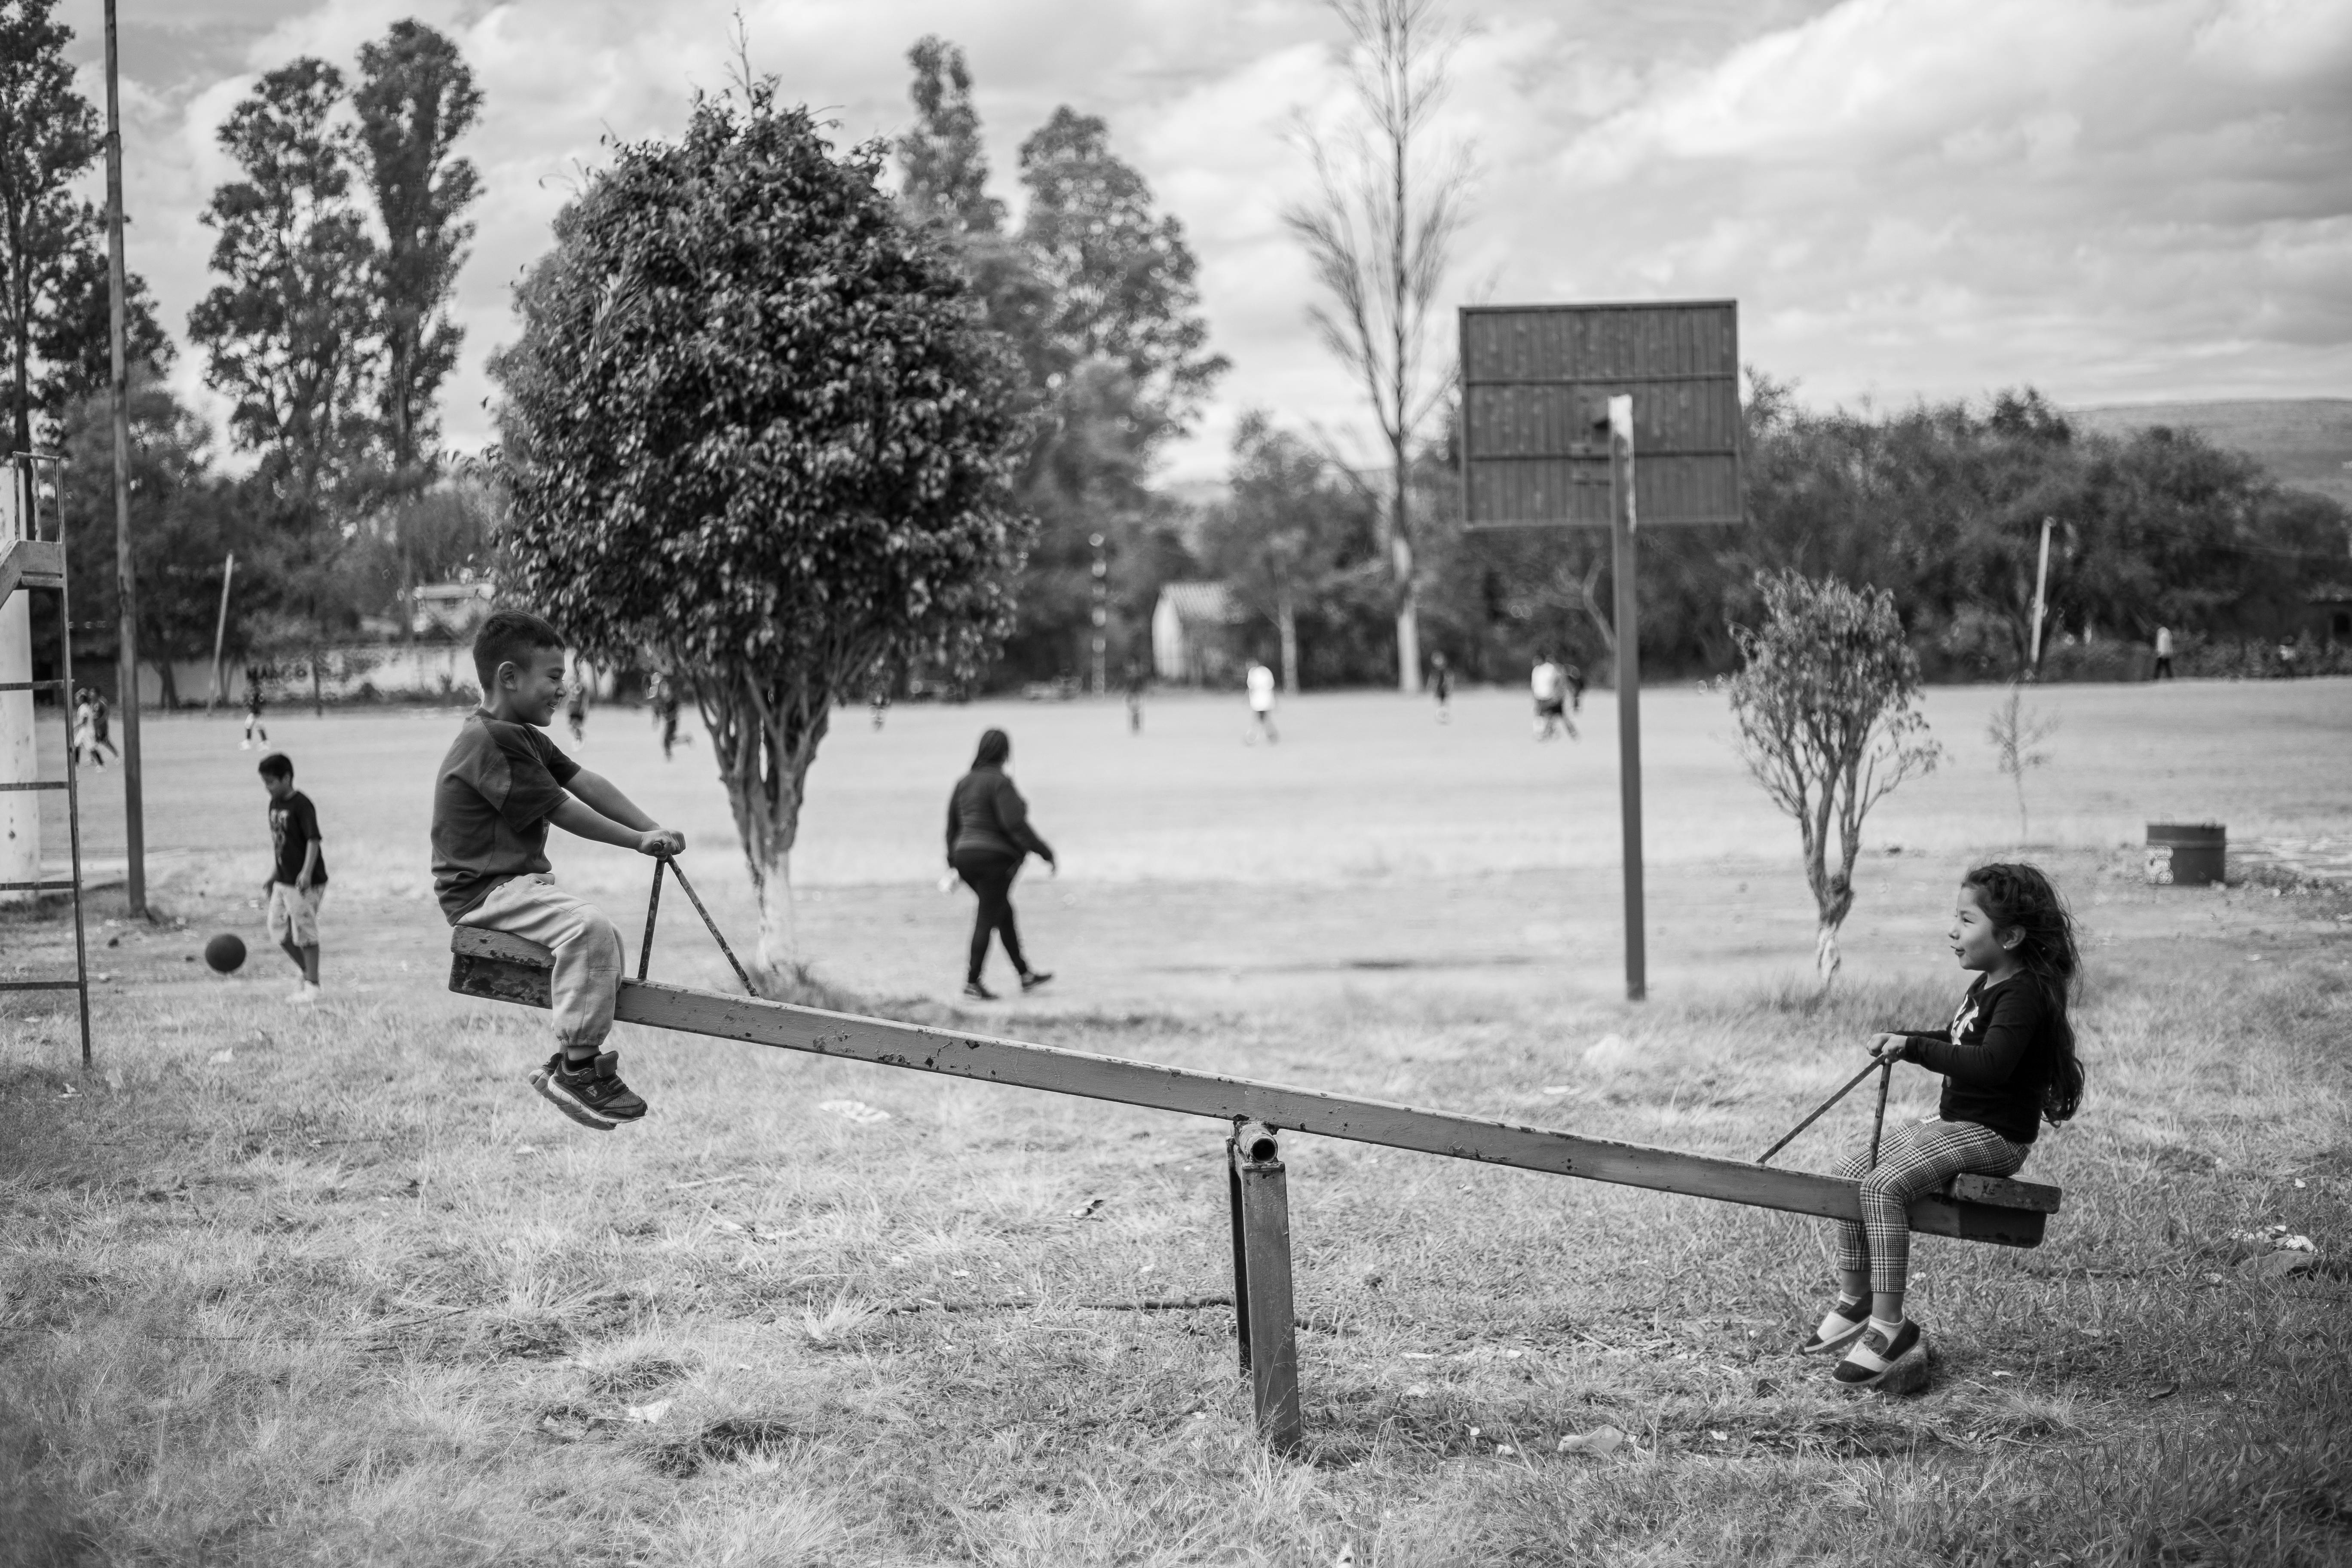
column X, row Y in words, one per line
column 2113, row 200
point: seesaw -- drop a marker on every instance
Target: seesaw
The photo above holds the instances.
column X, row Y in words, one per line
column 501, row 968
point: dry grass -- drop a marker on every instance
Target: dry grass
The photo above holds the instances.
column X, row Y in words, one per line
column 351, row 1294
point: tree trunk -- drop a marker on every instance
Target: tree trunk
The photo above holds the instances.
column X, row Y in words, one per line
column 1833, row 894
column 1286, row 620
column 1409, row 642
column 780, row 945
column 1408, row 620
column 764, row 766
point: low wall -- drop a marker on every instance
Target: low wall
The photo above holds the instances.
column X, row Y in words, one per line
column 357, row 672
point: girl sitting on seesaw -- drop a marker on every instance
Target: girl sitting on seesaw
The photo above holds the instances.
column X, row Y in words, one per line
column 2008, row 1061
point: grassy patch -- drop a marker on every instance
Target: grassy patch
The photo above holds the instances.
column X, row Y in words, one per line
column 281, row 1287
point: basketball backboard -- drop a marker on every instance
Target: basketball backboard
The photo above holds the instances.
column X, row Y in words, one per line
column 1535, row 383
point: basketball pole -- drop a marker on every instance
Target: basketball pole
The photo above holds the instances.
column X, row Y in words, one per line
column 126, row 581
column 1622, row 520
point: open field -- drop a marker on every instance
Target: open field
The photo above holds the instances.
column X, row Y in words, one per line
column 334, row 1286
column 1372, row 850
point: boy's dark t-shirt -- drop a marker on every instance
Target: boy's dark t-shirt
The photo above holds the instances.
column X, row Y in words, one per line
column 498, row 787
column 293, row 828
column 1995, row 1057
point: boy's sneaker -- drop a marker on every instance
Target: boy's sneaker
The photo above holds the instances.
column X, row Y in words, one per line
column 593, row 1095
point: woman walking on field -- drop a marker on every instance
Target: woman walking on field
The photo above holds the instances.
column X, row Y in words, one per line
column 988, row 836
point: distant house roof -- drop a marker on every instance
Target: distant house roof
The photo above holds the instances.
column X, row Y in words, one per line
column 1198, row 601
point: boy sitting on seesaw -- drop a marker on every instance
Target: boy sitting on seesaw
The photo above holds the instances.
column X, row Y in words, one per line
column 502, row 785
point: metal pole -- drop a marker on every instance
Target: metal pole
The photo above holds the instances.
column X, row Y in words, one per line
column 1622, row 522
column 1878, row 1127
column 1816, row 1115
column 220, row 632
column 126, row 581
column 2041, row 593
column 73, row 784
column 1101, row 612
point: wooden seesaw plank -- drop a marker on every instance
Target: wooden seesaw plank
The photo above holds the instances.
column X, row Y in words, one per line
column 504, row 968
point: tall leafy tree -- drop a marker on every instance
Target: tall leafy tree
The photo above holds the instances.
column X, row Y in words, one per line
column 1109, row 327
column 943, row 166
column 415, row 98
column 76, row 341
column 48, row 135
column 754, row 431
column 1286, row 539
column 289, row 335
column 1120, row 276
column 184, row 520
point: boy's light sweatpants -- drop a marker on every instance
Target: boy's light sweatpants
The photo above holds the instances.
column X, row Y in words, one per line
column 588, row 957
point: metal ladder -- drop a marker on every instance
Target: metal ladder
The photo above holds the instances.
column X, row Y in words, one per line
column 28, row 562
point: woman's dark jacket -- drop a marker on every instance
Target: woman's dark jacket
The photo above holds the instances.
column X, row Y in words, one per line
column 987, row 816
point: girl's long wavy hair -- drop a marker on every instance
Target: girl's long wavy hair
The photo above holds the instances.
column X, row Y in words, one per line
column 2019, row 897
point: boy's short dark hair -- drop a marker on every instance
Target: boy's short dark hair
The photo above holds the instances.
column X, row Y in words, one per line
column 277, row 765
column 510, row 637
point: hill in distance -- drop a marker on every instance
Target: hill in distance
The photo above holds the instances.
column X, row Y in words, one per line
column 2306, row 442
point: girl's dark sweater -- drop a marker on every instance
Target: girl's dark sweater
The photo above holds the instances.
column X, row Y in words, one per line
column 1995, row 1057
column 986, row 814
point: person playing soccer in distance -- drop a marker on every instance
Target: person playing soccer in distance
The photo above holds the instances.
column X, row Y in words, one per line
column 85, row 729
column 501, row 786
column 1137, row 680
column 1260, row 681
column 297, row 876
column 2008, row 1061
column 1548, row 684
column 101, row 723
column 253, row 724
column 1440, row 684
column 988, row 836
column 575, row 709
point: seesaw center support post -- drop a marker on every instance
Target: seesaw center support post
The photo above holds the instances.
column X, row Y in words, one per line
column 1263, row 1320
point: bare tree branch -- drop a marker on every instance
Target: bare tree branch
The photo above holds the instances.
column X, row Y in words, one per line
column 1379, row 235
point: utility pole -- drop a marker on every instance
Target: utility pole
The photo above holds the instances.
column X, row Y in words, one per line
column 2040, row 595
column 1101, row 613
column 126, row 584
column 220, row 630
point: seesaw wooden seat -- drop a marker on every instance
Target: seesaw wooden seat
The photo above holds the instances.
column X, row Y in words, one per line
column 1993, row 1209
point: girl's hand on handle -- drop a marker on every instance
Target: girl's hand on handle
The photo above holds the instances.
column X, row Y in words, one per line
column 661, row 841
column 1888, row 1047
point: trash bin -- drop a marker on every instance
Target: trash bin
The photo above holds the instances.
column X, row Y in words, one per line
column 2185, row 854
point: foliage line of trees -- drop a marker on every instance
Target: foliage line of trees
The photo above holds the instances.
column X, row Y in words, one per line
column 336, row 249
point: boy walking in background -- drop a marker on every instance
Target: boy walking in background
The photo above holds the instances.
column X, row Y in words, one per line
column 501, row 786
column 298, row 878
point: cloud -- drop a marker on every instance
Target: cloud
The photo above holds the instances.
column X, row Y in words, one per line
column 1909, row 197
